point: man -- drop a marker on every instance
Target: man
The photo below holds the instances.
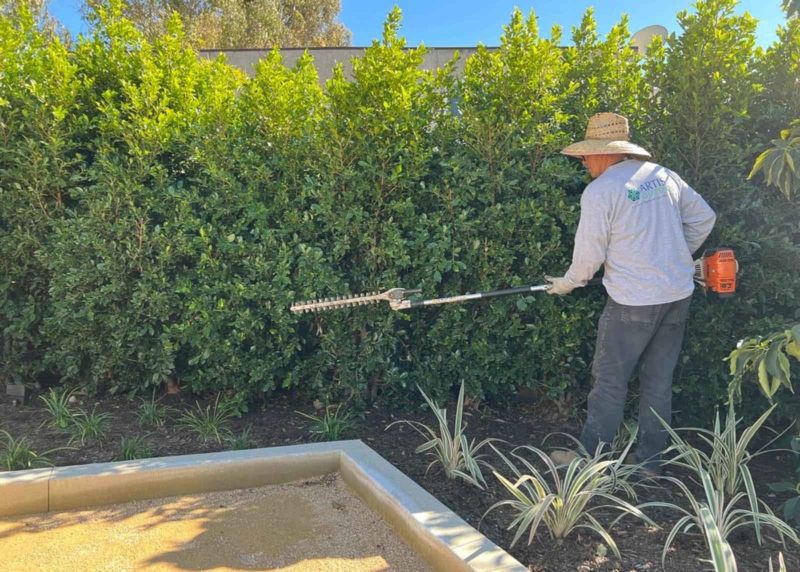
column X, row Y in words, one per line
column 643, row 223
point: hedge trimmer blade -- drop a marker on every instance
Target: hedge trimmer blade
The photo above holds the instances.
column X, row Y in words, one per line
column 395, row 297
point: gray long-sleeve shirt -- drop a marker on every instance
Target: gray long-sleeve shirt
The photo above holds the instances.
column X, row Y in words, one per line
column 644, row 223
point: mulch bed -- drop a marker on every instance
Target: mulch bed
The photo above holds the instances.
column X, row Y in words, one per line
column 277, row 423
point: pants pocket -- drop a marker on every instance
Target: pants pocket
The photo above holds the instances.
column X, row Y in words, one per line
column 645, row 316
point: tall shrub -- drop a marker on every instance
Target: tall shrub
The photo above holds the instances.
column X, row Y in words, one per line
column 161, row 212
column 262, row 176
column 503, row 220
column 43, row 128
column 369, row 200
column 700, row 123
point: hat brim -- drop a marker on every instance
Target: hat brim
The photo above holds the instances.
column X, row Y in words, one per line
column 604, row 147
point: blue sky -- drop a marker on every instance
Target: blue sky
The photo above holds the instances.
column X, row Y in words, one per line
column 467, row 22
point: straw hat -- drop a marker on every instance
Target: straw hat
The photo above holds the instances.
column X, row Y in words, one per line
column 606, row 134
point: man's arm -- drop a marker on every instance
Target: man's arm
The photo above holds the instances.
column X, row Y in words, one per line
column 698, row 218
column 591, row 241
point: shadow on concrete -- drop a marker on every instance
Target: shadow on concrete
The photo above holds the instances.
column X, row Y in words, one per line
column 292, row 528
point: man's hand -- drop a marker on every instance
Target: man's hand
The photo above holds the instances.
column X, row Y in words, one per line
column 559, row 286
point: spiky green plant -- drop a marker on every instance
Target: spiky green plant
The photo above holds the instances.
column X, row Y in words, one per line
column 567, row 505
column 152, row 413
column 57, row 403
column 240, row 442
column 620, row 475
column 209, row 423
column 132, row 448
column 458, row 457
column 17, row 455
column 728, row 455
column 725, row 515
column 727, row 459
column 331, row 426
column 87, row 426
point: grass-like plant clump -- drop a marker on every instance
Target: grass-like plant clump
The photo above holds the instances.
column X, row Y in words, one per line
column 331, row 426
column 457, row 456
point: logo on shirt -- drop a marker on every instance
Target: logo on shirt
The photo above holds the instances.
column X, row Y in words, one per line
column 648, row 191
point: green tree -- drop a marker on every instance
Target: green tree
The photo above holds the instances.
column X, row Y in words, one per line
column 777, row 70
column 372, row 204
column 284, row 23
column 243, row 23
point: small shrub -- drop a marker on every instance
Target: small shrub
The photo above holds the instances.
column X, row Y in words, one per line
column 242, row 441
column 331, row 426
column 57, row 403
column 209, row 423
column 87, row 426
column 132, row 448
column 458, row 457
column 567, row 506
column 151, row 413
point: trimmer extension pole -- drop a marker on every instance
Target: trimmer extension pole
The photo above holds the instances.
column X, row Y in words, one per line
column 406, row 304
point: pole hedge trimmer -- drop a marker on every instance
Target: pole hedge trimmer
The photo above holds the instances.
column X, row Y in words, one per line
column 715, row 272
column 397, row 299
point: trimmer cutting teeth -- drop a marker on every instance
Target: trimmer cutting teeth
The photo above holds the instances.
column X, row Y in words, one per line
column 395, row 297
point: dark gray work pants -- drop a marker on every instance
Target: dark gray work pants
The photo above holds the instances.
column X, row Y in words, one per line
column 650, row 336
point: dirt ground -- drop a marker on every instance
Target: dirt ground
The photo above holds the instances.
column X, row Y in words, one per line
column 310, row 526
column 277, row 423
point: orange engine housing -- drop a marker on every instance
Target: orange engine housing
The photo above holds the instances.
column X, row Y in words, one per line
column 719, row 271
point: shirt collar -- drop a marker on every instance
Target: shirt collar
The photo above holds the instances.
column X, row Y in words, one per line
column 620, row 164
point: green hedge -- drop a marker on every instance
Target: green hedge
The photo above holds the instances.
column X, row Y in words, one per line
column 159, row 212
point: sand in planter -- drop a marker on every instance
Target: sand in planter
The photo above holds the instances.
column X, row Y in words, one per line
column 310, row 526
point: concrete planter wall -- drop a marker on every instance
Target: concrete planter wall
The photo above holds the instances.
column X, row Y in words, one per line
column 431, row 529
